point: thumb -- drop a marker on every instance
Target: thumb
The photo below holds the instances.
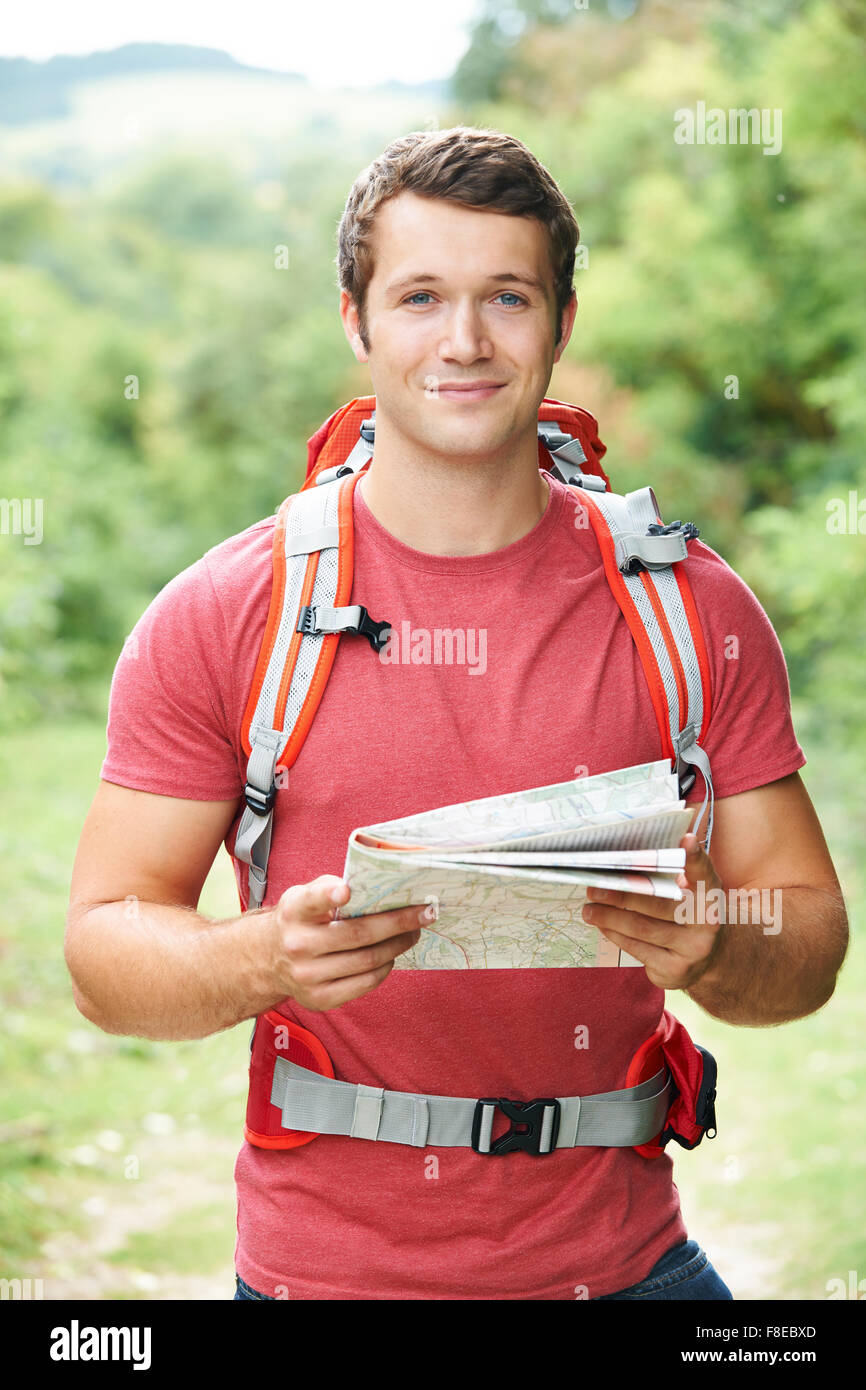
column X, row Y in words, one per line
column 696, row 861
column 318, row 900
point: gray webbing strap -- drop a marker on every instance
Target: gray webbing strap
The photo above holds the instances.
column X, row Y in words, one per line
column 253, row 840
column 313, row 540
column 323, row 1105
column 361, row 454
column 627, row 517
column 336, row 619
column 691, row 752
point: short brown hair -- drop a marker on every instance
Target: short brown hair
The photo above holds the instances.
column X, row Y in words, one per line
column 465, row 164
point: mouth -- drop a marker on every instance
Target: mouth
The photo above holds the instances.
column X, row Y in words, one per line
column 470, row 393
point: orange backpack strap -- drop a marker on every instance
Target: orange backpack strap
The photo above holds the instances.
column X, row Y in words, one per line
column 312, row 581
column 640, row 556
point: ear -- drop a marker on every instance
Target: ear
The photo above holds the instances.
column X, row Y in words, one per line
column 349, row 315
column 567, row 325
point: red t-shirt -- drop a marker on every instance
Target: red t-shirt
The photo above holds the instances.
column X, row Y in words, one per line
column 561, row 688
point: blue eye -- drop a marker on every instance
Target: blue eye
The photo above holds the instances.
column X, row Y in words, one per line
column 510, row 293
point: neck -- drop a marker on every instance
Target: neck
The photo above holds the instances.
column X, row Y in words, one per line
column 452, row 506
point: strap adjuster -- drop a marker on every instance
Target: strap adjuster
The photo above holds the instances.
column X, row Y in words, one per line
column 364, row 625
column 629, row 562
column 260, row 803
column 531, row 1122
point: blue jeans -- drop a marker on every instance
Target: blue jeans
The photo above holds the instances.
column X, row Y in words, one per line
column 683, row 1272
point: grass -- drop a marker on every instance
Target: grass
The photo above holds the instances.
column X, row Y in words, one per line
column 117, row 1154
column 92, row 1123
column 787, row 1164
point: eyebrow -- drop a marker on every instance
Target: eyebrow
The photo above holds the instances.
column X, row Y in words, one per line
column 422, row 276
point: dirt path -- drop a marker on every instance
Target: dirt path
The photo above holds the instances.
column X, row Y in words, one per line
column 78, row 1265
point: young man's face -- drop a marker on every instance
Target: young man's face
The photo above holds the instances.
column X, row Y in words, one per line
column 438, row 316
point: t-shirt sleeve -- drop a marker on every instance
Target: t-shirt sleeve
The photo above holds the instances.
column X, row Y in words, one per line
column 169, row 728
column 750, row 740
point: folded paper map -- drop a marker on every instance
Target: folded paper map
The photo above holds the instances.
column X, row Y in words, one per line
column 509, row 873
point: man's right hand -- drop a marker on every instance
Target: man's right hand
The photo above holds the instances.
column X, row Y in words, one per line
column 144, row 962
column 326, row 962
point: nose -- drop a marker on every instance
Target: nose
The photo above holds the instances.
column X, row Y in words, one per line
column 465, row 339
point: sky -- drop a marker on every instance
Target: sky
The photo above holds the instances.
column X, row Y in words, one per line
column 340, row 42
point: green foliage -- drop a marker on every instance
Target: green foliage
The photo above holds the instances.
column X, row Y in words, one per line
column 159, row 376
column 724, row 293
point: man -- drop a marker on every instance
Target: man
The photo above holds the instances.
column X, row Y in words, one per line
column 456, row 260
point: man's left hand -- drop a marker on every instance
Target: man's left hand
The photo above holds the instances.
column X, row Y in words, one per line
column 675, row 955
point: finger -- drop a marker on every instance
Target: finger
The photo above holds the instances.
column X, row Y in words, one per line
column 643, row 903
column 314, row 901
column 648, row 954
column 637, row 926
column 339, row 965
column 350, row 987
column 351, row 933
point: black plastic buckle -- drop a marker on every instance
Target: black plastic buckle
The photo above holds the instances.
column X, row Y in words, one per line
column 529, row 1115
column 366, row 627
column 688, row 528
column 305, row 620
column 258, row 803
column 373, row 631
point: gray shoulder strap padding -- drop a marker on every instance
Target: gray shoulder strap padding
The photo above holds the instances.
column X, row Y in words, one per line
column 626, row 517
column 312, row 525
column 323, row 1105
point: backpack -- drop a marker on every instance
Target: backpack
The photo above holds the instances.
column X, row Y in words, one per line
column 312, row 584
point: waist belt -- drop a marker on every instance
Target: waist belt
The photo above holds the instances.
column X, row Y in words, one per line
column 617, row 1119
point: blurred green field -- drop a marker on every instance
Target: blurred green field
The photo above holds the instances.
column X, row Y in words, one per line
column 117, row 1154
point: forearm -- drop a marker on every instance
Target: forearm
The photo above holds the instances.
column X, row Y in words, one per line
column 164, row 972
column 770, row 972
